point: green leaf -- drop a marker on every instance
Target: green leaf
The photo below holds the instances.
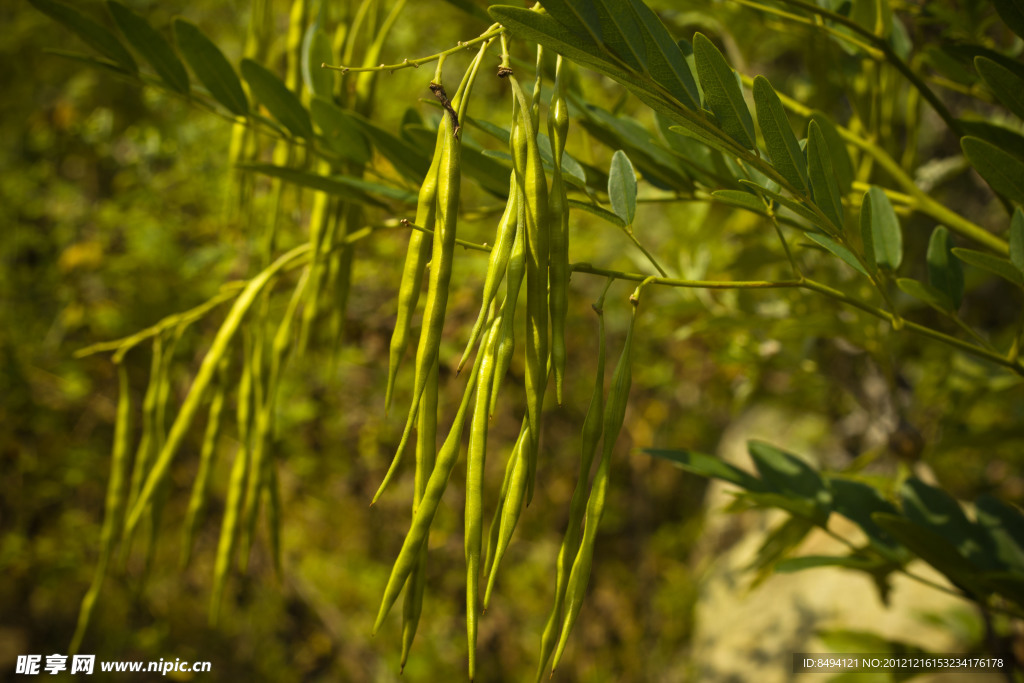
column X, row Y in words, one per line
column 1012, row 14
column 945, row 273
column 211, row 67
column 598, row 211
column 1002, row 137
column 1007, row 86
column 708, row 466
column 791, row 204
column 621, row 33
column 840, row 156
column 1007, row 584
column 1004, row 172
column 796, row 564
column 857, row 501
column 783, row 148
column 316, row 50
column 340, row 131
column 666, row 61
column 1004, row 525
column 925, row 293
column 706, row 134
column 1017, row 239
column 993, row 264
column 722, row 92
column 935, row 509
column 838, row 250
column 880, row 230
column 741, row 199
column 933, row 549
column 349, row 189
column 148, row 42
column 95, row 35
column 622, row 187
column 777, row 544
column 281, row 102
column 824, row 186
column 785, row 473
column 409, row 160
column 874, row 15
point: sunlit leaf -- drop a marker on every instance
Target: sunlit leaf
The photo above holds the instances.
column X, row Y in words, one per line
column 666, row 61
column 622, row 187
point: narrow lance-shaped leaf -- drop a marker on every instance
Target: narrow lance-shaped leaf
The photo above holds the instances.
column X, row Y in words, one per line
column 97, row 36
column 945, row 273
column 837, row 249
column 840, row 156
column 1017, row 240
column 1003, row 171
column 722, row 92
column 783, row 148
column 824, row 186
column 340, row 132
column 621, row 33
column 316, row 50
column 1007, row 86
column 622, row 187
column 271, row 91
column 993, row 264
column 148, row 42
column 211, row 67
column 666, row 60
column 924, row 292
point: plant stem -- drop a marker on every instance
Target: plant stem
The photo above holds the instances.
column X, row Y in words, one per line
column 494, row 30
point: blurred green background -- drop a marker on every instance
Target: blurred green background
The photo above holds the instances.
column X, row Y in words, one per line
column 115, row 212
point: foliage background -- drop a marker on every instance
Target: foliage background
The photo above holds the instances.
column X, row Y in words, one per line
column 114, row 214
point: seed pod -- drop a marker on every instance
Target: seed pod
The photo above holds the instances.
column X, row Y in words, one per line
column 512, row 505
column 558, row 220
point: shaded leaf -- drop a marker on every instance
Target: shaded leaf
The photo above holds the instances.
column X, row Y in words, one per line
column 796, row 564
column 945, row 273
column 281, row 102
column 925, row 293
column 993, row 264
column 349, row 189
column 622, row 187
column 933, row 549
column 857, row 501
column 824, row 186
column 838, row 250
column 840, row 156
column 783, row 148
column 666, row 61
column 741, row 199
column 1002, row 137
column 722, row 92
column 316, row 50
column 1002, row 171
column 621, row 33
column 408, row 159
column 880, row 230
column 1004, row 524
column 785, row 473
column 935, row 509
column 149, row 43
column 1007, row 86
column 95, row 35
column 339, row 131
column 708, row 466
column 1007, row 584
column 1012, row 14
column 777, row 544
column 1017, row 239
column 706, row 134
column 211, row 67
column 598, row 211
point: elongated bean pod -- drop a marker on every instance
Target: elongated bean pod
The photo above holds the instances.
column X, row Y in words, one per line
column 115, row 503
column 476, row 457
column 207, row 458
column 436, row 484
column 512, row 505
column 614, row 415
column 426, row 452
column 416, row 257
column 531, row 177
column 571, row 541
column 515, row 272
column 558, row 219
column 492, row 531
column 229, row 531
column 448, row 187
column 497, row 264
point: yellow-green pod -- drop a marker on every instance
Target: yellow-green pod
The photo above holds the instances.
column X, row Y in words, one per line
column 558, row 219
column 516, row 270
column 512, row 506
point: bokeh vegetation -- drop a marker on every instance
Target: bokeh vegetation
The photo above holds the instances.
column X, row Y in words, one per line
column 119, row 208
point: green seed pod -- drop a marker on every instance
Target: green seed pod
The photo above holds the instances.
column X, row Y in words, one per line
column 558, row 220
